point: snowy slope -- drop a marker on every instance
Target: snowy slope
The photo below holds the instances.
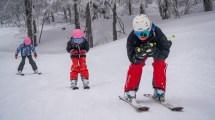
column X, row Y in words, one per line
column 190, row 78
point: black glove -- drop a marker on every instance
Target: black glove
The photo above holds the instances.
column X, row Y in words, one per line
column 150, row 49
column 140, row 53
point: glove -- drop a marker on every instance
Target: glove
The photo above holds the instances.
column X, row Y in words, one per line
column 83, row 52
column 140, row 53
column 136, row 60
column 73, row 52
column 35, row 55
column 150, row 49
column 16, row 56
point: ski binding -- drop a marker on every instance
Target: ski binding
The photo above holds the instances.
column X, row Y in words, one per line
column 135, row 105
column 165, row 104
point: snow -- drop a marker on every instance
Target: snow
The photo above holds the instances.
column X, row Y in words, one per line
column 190, row 76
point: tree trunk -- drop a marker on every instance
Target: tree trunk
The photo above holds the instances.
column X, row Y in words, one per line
column 175, row 9
column 187, row 7
column 42, row 26
column 114, row 22
column 208, row 5
column 129, row 7
column 141, row 8
column 52, row 15
column 163, row 9
column 89, row 34
column 28, row 13
column 34, row 33
column 65, row 14
column 77, row 24
column 70, row 13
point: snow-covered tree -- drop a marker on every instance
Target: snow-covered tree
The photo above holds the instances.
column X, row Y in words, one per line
column 164, row 8
column 208, row 5
column 174, row 4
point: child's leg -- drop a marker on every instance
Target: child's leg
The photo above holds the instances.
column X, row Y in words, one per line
column 22, row 63
column 32, row 62
column 133, row 76
column 159, row 74
column 74, row 69
column 83, row 68
column 84, row 72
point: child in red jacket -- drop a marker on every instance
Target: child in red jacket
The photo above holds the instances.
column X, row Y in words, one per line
column 78, row 46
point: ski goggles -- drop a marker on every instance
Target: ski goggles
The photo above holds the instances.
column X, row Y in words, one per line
column 142, row 35
column 77, row 40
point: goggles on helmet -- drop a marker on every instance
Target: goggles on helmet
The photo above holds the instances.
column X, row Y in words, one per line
column 77, row 40
column 142, row 35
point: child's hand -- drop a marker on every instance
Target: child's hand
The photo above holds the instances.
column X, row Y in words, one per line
column 73, row 52
column 83, row 52
column 35, row 55
column 16, row 56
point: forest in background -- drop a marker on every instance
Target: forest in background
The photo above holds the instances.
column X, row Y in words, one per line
column 31, row 15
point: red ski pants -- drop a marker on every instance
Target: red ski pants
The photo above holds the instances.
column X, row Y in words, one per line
column 135, row 72
column 79, row 66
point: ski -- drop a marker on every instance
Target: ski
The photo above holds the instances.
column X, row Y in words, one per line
column 74, row 88
column 86, row 87
column 22, row 74
column 165, row 104
column 135, row 105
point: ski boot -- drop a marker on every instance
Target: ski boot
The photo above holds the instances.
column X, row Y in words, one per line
column 74, row 84
column 130, row 95
column 20, row 73
column 85, row 83
column 35, row 71
column 159, row 94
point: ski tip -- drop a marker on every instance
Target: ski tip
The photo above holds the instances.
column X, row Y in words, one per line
column 87, row 88
column 74, row 88
column 120, row 97
column 22, row 74
column 177, row 109
column 142, row 109
column 147, row 95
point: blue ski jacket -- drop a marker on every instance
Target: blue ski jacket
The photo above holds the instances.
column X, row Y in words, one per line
column 26, row 50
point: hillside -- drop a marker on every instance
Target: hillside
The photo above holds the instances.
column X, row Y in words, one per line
column 190, row 78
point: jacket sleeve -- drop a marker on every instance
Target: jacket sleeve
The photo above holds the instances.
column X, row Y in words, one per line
column 33, row 49
column 163, row 45
column 85, row 45
column 131, row 49
column 19, row 48
column 69, row 47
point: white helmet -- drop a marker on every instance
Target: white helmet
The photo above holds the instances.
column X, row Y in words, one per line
column 141, row 22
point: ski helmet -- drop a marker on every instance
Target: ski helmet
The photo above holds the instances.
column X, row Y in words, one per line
column 142, row 26
column 77, row 33
column 27, row 41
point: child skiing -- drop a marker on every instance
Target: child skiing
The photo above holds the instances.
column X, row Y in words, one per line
column 78, row 46
column 26, row 49
column 146, row 40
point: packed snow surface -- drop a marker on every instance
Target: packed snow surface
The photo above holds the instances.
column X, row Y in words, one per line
column 190, row 77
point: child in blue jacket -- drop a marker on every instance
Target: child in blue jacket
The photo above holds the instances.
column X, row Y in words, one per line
column 26, row 49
